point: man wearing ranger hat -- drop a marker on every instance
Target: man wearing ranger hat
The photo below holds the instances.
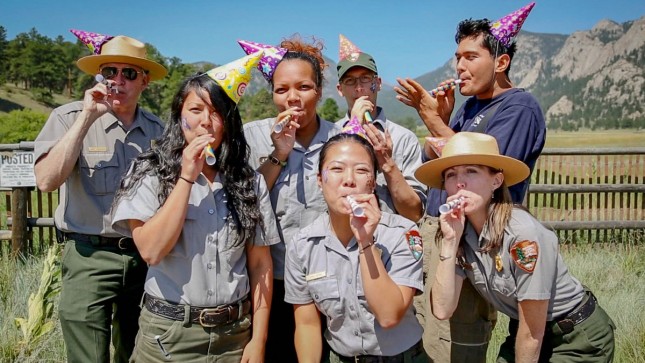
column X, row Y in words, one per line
column 84, row 149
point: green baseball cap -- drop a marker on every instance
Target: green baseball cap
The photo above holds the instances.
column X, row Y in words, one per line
column 363, row 60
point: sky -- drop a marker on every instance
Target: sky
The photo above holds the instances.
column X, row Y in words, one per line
column 407, row 38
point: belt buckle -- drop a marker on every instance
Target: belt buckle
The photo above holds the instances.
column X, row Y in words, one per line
column 212, row 311
column 121, row 245
column 566, row 325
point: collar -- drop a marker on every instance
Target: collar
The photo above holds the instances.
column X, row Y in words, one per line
column 109, row 121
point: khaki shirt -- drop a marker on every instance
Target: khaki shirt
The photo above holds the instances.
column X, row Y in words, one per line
column 107, row 151
column 203, row 268
column 296, row 198
column 550, row 279
column 406, row 152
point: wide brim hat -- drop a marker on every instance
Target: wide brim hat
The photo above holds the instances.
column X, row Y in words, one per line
column 471, row 148
column 122, row 49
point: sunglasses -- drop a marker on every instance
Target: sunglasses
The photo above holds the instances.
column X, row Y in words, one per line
column 128, row 73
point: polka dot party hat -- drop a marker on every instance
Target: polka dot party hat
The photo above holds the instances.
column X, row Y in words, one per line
column 270, row 59
column 233, row 77
column 506, row 28
column 354, row 126
column 94, row 41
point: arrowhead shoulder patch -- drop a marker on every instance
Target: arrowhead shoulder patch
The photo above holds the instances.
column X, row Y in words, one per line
column 415, row 243
column 525, row 254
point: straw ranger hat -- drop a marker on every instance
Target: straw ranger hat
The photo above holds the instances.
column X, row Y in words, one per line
column 471, row 148
column 122, row 49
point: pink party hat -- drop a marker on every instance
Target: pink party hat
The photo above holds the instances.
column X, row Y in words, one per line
column 268, row 62
column 94, row 41
column 347, row 50
column 506, row 28
column 354, row 127
column 233, row 77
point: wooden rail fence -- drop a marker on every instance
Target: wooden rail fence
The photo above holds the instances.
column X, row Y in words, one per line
column 585, row 195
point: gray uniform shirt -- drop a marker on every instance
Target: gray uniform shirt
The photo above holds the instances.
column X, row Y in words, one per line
column 295, row 196
column 321, row 270
column 203, row 268
column 406, row 152
column 550, row 279
column 107, row 151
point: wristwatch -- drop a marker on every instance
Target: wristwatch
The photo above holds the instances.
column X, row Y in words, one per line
column 275, row 161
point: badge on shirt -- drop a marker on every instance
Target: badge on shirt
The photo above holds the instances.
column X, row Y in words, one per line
column 415, row 244
column 525, row 254
column 316, row 276
column 97, row 149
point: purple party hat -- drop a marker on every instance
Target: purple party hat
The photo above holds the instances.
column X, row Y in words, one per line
column 506, row 28
column 268, row 62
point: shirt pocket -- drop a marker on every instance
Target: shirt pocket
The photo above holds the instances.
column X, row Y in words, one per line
column 326, row 295
column 192, row 233
column 504, row 285
column 101, row 173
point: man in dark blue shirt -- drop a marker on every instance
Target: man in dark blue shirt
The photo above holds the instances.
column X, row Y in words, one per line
column 495, row 107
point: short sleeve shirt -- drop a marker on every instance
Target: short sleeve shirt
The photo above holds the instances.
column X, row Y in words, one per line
column 406, row 152
column 295, row 196
column 204, row 268
column 320, row 270
column 549, row 280
column 107, row 151
column 518, row 126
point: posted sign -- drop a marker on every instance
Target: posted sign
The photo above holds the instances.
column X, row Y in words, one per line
column 17, row 169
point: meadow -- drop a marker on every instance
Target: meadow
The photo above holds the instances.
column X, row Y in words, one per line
column 613, row 271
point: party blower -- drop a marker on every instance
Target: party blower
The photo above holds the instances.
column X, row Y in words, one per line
column 210, row 155
column 100, row 79
column 445, row 87
column 446, row 208
column 357, row 210
column 280, row 125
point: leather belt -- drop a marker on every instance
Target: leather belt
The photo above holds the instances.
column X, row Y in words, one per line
column 578, row 315
column 413, row 351
column 206, row 317
column 122, row 243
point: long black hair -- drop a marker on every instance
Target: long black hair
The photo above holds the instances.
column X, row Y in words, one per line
column 164, row 157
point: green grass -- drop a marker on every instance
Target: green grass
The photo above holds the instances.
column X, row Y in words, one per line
column 613, row 272
column 13, row 98
column 18, row 279
column 581, row 139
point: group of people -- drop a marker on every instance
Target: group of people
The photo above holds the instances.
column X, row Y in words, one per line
column 296, row 239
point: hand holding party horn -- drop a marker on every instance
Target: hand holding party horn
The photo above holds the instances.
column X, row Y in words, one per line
column 445, row 87
column 100, row 79
column 446, row 208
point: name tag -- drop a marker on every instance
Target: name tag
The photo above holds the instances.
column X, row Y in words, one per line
column 97, row 149
column 315, row 276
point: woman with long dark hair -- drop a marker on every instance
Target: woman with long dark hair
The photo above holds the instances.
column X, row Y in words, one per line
column 204, row 228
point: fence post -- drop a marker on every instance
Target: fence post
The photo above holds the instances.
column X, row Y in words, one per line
column 19, row 234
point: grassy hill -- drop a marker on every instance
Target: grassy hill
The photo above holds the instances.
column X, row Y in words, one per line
column 16, row 98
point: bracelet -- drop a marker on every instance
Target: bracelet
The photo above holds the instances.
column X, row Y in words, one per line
column 443, row 258
column 362, row 250
column 275, row 161
column 186, row 180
